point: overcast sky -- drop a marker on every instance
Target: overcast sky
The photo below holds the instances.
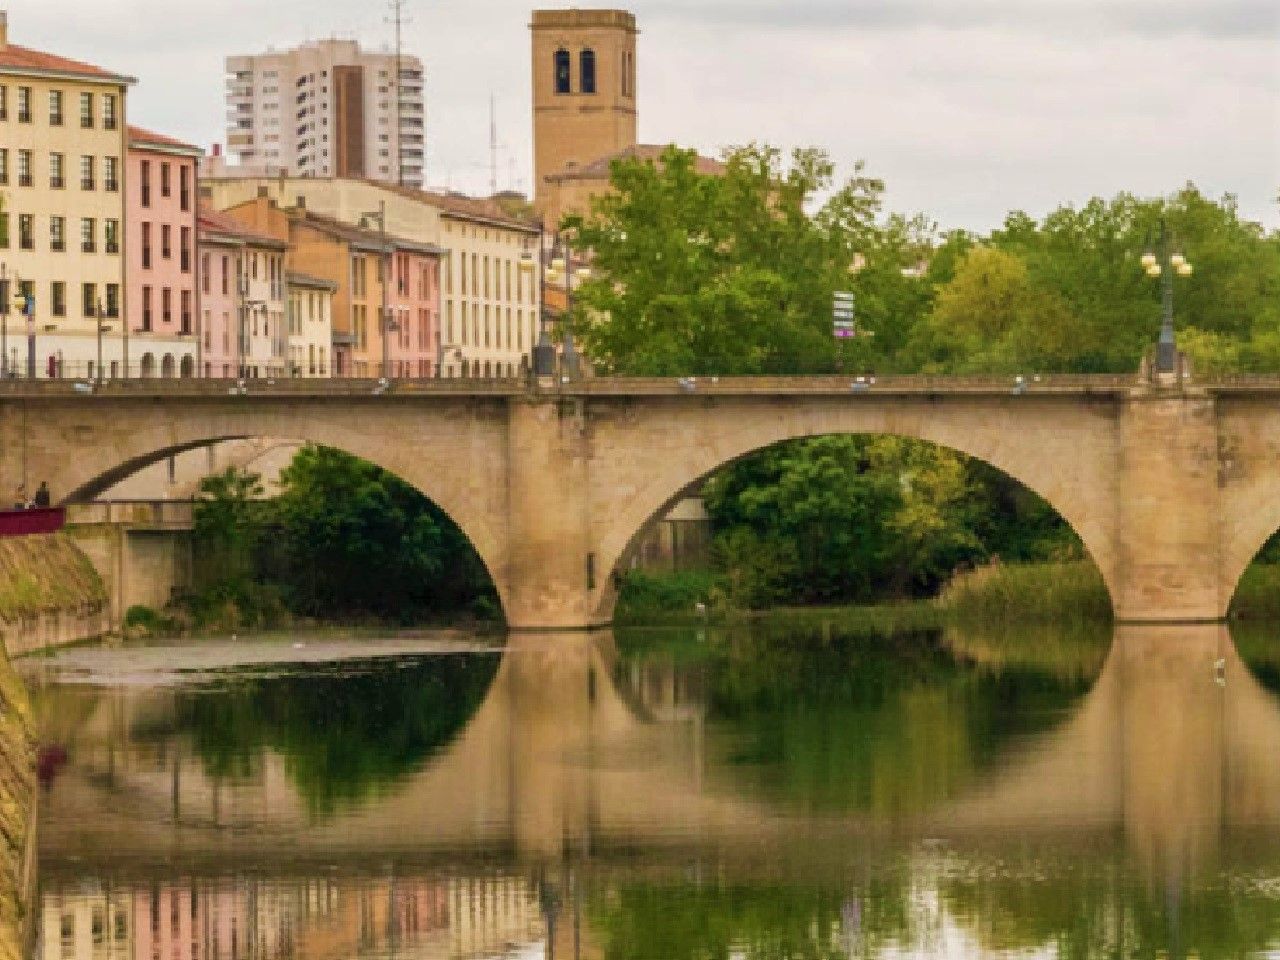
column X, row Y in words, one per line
column 967, row 108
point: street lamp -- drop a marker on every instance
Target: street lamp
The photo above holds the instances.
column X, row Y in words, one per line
column 4, row 320
column 98, row 317
column 384, row 321
column 1164, row 262
column 559, row 267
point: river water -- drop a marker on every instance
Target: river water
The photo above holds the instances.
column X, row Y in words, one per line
column 803, row 789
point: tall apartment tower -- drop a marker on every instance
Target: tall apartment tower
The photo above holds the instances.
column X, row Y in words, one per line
column 584, row 89
column 328, row 109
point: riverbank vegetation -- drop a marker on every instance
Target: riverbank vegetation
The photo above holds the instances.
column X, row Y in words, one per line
column 343, row 541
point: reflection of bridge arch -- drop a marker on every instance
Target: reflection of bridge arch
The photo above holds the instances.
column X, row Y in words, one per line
column 556, row 759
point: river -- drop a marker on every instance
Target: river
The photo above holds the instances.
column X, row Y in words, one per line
column 806, row 789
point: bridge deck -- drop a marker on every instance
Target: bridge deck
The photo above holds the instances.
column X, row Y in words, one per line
column 913, row 385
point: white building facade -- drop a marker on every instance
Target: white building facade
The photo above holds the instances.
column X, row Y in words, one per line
column 328, row 109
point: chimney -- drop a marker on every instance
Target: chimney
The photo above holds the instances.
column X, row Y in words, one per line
column 4, row 29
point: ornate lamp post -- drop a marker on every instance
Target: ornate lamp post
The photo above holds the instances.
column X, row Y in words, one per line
column 1164, row 262
column 559, row 268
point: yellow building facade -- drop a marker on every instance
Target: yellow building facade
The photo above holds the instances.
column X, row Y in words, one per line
column 63, row 144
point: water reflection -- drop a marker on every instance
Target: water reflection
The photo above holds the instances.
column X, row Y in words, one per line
column 825, row 793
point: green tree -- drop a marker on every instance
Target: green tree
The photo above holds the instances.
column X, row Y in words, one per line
column 719, row 273
column 228, row 523
column 355, row 539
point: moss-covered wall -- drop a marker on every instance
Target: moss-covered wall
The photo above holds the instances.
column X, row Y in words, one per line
column 50, row 593
column 17, row 815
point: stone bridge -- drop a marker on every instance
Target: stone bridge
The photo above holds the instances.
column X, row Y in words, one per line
column 1173, row 488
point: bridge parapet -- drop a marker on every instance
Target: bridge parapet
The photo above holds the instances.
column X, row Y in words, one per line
column 134, row 514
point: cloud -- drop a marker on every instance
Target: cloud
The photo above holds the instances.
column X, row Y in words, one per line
column 1219, row 19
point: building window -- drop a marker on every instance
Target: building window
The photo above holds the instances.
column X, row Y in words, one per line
column 86, row 110
column 225, row 274
column 108, row 111
column 111, row 174
column 111, row 235
column 26, row 231
column 146, row 309
column 587, row 69
column 186, row 312
column 146, row 246
column 24, row 104
column 166, row 305
column 4, row 103
column 113, row 300
column 24, row 168
column 166, row 241
column 88, row 228
column 58, row 298
column 204, row 273
column 564, row 72
column 57, row 234
column 146, row 183
column 57, row 171
column 185, row 249
column 164, row 179
column 55, row 108
column 184, row 188
column 4, row 165
column 89, row 299
column 86, row 173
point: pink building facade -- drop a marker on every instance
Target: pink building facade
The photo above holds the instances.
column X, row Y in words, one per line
column 161, row 262
column 414, row 304
column 242, row 300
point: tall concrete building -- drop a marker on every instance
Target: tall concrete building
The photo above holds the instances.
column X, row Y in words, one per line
column 328, row 109
column 584, row 90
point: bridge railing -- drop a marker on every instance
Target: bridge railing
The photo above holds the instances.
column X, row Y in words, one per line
column 985, row 384
column 146, row 514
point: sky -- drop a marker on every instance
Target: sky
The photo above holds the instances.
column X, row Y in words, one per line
column 966, row 108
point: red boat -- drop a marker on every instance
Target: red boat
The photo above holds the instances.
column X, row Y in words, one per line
column 24, row 523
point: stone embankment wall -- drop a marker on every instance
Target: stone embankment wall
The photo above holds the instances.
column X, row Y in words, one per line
column 17, row 817
column 50, row 594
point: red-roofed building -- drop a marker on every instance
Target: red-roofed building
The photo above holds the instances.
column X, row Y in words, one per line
column 62, row 151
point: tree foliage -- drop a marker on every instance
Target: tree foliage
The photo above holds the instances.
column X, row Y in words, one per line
column 719, row 274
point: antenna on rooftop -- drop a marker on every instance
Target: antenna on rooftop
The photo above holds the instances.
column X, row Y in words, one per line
column 493, row 146
column 399, row 20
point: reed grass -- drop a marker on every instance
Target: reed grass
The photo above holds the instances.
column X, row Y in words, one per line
column 1061, row 593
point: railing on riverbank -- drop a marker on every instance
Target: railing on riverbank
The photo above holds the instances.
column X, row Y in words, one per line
column 27, row 523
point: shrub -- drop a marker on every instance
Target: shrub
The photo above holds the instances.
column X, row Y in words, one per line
column 1258, row 595
column 645, row 594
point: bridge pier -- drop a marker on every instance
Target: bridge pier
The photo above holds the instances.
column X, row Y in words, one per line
column 1169, row 497
column 550, row 573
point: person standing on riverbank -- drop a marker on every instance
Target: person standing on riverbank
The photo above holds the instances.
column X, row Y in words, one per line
column 43, row 500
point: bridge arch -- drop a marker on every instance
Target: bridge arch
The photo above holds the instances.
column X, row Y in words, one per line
column 442, row 458
column 1058, row 456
